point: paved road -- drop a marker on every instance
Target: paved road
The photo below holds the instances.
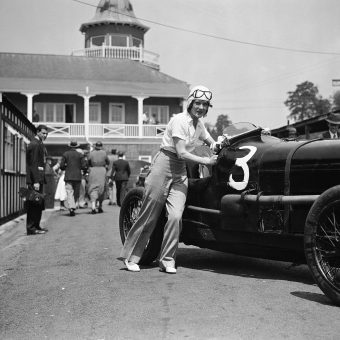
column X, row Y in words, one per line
column 68, row 284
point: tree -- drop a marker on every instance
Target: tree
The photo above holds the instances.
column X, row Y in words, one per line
column 222, row 122
column 306, row 102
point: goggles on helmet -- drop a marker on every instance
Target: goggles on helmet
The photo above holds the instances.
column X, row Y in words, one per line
column 200, row 94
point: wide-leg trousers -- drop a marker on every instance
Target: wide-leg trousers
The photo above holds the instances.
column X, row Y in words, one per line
column 167, row 184
column 72, row 191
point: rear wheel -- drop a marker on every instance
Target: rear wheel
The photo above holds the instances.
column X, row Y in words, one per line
column 128, row 215
column 322, row 242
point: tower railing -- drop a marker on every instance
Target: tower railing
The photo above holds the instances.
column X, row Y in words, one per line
column 120, row 52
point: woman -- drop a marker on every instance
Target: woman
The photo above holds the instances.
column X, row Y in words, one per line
column 98, row 163
column 167, row 182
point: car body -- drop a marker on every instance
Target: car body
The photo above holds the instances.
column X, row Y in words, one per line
column 266, row 197
column 143, row 172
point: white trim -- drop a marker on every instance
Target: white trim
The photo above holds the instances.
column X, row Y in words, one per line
column 146, row 158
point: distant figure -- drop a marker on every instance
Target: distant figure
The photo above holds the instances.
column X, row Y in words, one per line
column 110, row 178
column 333, row 120
column 98, row 163
column 153, row 119
column 81, row 203
column 266, row 132
column 60, row 193
column 36, row 117
column 122, row 171
column 292, row 133
column 145, row 118
column 73, row 162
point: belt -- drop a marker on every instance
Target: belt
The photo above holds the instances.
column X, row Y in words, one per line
column 169, row 153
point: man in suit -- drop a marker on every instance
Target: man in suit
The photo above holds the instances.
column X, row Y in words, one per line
column 333, row 120
column 121, row 173
column 72, row 162
column 35, row 179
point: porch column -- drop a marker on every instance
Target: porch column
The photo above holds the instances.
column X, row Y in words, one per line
column 140, row 114
column 30, row 104
column 86, row 114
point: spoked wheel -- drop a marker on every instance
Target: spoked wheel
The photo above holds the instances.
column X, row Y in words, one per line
column 322, row 242
column 128, row 215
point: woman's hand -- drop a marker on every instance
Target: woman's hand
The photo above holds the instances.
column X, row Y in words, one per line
column 210, row 160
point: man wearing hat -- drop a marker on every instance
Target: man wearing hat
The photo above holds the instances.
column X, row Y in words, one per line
column 72, row 162
column 333, row 120
column 122, row 171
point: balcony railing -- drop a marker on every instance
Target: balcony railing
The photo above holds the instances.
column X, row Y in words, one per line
column 117, row 52
column 72, row 130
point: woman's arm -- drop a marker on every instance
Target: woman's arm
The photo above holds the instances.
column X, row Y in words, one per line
column 184, row 154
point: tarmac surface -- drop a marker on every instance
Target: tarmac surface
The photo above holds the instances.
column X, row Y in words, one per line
column 68, row 284
column 12, row 230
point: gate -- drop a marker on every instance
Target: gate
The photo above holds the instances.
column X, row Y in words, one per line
column 15, row 133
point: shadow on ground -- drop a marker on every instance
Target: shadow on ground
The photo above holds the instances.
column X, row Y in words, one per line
column 218, row 262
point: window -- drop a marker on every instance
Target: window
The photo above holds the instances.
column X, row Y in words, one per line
column 97, row 41
column 117, row 113
column 95, row 113
column 161, row 113
column 8, row 148
column 56, row 112
column 145, row 158
column 136, row 42
column 119, row 40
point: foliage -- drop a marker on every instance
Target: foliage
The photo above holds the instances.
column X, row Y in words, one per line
column 306, row 102
column 222, row 122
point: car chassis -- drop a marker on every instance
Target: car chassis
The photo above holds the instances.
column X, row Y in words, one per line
column 267, row 198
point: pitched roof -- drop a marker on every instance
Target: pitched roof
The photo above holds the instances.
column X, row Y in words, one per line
column 118, row 12
column 69, row 74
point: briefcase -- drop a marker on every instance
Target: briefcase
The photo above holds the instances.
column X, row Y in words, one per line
column 32, row 196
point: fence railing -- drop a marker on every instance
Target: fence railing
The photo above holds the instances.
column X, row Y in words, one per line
column 15, row 132
column 72, row 130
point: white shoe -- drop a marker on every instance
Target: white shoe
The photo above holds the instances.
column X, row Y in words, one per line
column 132, row 267
column 169, row 270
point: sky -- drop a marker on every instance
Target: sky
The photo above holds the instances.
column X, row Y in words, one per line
column 249, row 53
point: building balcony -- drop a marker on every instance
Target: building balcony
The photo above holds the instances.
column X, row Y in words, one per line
column 101, row 131
column 150, row 59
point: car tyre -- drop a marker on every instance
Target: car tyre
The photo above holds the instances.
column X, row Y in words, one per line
column 129, row 213
column 322, row 242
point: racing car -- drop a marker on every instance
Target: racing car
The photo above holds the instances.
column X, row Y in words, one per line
column 266, row 197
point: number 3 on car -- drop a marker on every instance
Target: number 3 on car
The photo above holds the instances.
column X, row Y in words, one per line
column 242, row 163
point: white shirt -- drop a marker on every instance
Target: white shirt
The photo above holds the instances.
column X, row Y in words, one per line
column 333, row 135
column 181, row 126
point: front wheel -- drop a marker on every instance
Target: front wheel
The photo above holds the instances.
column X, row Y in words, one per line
column 129, row 212
column 322, row 242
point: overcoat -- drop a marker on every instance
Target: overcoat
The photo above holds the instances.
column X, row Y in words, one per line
column 73, row 162
column 35, row 162
column 122, row 169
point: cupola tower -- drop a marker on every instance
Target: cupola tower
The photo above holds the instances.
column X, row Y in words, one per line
column 115, row 32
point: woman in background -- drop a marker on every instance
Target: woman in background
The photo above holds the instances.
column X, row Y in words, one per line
column 98, row 163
